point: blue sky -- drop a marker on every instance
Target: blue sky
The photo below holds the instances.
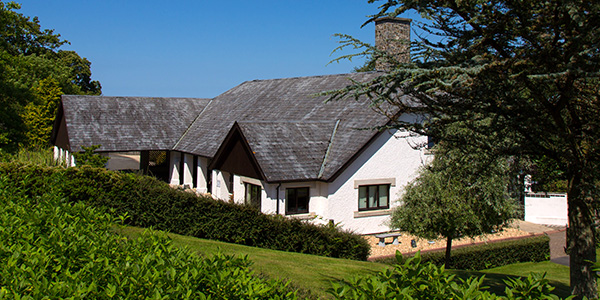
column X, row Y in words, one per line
column 203, row 48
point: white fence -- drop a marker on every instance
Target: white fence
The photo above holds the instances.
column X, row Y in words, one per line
column 546, row 209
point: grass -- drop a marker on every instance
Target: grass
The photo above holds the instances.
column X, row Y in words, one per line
column 314, row 273
column 494, row 278
column 310, row 273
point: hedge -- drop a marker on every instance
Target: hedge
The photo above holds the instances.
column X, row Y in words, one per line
column 149, row 202
column 491, row 255
column 51, row 248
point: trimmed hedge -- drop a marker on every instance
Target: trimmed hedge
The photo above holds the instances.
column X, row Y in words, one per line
column 485, row 256
column 53, row 249
column 149, row 202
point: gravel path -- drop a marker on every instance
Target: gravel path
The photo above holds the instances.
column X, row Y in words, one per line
column 518, row 229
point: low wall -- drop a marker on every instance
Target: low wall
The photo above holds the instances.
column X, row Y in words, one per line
column 546, row 208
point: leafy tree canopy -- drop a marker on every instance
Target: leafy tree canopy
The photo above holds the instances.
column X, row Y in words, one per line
column 29, row 55
column 523, row 73
column 460, row 194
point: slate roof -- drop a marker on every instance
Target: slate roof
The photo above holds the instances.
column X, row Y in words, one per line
column 294, row 134
column 292, row 150
column 128, row 123
column 291, row 100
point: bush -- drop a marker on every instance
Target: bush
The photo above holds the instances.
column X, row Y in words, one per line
column 416, row 279
column 53, row 249
column 485, row 256
column 152, row 203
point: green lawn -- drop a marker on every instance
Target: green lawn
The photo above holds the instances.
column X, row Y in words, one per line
column 494, row 278
column 314, row 273
column 308, row 272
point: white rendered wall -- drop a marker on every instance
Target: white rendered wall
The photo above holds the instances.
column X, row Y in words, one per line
column 188, row 165
column 202, row 175
column 547, row 209
column 394, row 157
column 174, row 160
column 220, row 181
column 64, row 156
column 316, row 205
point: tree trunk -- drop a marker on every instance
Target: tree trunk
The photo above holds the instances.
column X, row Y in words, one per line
column 448, row 248
column 581, row 241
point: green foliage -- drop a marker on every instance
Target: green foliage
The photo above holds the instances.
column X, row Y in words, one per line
column 415, row 279
column 89, row 158
column 485, row 256
column 39, row 114
column 523, row 74
column 534, row 287
column 28, row 156
column 461, row 193
column 151, row 203
column 32, row 73
column 50, row 248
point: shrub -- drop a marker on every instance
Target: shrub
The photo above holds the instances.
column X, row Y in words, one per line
column 151, row 203
column 52, row 249
column 416, row 279
column 485, row 256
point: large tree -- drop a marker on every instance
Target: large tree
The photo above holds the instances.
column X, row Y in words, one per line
column 29, row 57
column 523, row 73
column 461, row 193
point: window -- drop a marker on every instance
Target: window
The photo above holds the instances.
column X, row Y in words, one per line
column 253, row 195
column 296, row 200
column 373, row 197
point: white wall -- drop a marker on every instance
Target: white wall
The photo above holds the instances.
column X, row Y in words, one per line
column 174, row 160
column 202, row 167
column 220, row 182
column 546, row 209
column 188, row 165
column 394, row 157
column 64, row 156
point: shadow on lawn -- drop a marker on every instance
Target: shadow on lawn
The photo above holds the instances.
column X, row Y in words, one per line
column 496, row 284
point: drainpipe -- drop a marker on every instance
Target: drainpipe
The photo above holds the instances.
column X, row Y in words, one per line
column 278, row 186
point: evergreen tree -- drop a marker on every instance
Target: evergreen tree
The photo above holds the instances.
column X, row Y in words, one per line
column 524, row 74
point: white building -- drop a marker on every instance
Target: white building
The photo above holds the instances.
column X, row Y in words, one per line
column 273, row 144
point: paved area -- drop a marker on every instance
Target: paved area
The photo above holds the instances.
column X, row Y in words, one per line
column 558, row 239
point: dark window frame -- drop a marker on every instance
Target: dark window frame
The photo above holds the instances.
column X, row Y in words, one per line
column 257, row 191
column 377, row 197
column 288, row 201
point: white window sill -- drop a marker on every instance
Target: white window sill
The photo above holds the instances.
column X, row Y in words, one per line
column 308, row 216
column 372, row 213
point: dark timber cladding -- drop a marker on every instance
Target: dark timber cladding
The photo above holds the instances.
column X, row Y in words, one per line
column 234, row 156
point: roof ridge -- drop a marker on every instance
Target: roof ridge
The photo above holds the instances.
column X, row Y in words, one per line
column 312, row 76
column 285, row 121
column 322, row 170
column 190, row 125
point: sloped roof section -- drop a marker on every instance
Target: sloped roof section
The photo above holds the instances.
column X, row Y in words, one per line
column 128, row 123
column 292, row 150
column 254, row 104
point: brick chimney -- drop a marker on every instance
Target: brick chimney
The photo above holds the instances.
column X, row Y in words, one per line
column 392, row 35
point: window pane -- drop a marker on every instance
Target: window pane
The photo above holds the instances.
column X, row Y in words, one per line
column 362, row 197
column 248, row 197
column 372, row 196
column 384, row 191
column 302, row 199
column 253, row 195
column 290, row 196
